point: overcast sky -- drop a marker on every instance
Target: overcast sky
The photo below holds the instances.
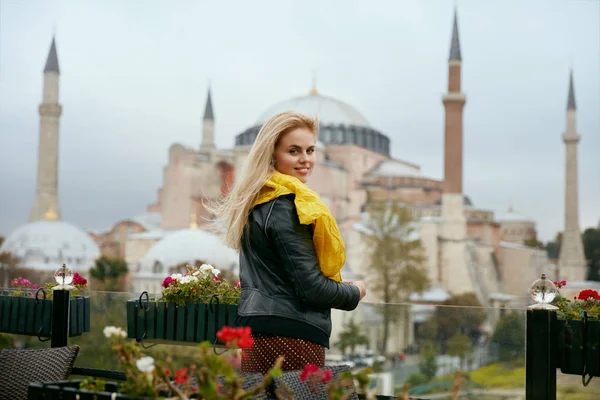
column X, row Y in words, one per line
column 134, row 76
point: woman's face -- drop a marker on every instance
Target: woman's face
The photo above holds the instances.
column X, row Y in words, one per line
column 295, row 154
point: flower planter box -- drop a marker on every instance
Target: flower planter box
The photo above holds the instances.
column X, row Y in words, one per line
column 579, row 347
column 30, row 316
column 162, row 322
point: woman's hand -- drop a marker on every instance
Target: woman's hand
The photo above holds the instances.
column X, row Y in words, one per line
column 361, row 286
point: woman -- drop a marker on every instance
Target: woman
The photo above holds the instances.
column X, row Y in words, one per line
column 291, row 251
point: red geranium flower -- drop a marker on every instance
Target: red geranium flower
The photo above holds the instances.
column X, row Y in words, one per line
column 240, row 337
column 587, row 294
column 308, row 371
column 78, row 279
column 327, row 375
column 181, row 376
column 314, row 375
column 167, row 282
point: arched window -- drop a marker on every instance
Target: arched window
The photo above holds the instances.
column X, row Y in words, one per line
column 339, row 135
column 158, row 267
column 326, row 135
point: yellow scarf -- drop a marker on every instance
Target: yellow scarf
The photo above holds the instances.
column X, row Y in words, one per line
column 327, row 238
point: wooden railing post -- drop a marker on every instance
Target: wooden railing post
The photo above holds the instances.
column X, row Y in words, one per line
column 61, row 301
column 540, row 348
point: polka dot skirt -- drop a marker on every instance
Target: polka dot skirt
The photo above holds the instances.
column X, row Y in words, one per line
column 297, row 352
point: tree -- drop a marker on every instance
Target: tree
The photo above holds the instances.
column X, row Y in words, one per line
column 427, row 332
column 9, row 265
column 351, row 337
column 510, row 336
column 108, row 272
column 428, row 363
column 533, row 242
column 396, row 261
column 464, row 319
column 459, row 346
column 591, row 248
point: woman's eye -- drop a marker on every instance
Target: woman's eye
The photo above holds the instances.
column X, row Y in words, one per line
column 293, row 151
column 309, row 151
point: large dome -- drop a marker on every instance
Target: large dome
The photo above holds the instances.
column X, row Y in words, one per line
column 46, row 245
column 327, row 109
column 187, row 246
column 339, row 123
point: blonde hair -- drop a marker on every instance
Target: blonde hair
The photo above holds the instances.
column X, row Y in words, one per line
column 231, row 214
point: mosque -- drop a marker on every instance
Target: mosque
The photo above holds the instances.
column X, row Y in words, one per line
column 467, row 248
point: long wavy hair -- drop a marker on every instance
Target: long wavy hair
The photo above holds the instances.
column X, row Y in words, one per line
column 231, row 213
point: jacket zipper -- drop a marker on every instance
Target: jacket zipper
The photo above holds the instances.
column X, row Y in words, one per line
column 267, row 219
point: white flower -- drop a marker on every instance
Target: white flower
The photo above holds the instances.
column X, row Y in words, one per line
column 188, row 279
column 216, row 272
column 145, row 364
column 196, row 273
column 110, row 331
column 207, row 269
column 176, row 277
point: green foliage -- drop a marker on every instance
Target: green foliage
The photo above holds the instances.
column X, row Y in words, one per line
column 499, row 376
column 510, row 336
column 428, row 362
column 396, row 260
column 427, row 331
column 464, row 319
column 459, row 345
column 351, row 337
column 533, row 242
column 108, row 272
column 93, row 384
column 151, row 377
column 591, row 246
column 25, row 288
column 416, row 380
column 573, row 309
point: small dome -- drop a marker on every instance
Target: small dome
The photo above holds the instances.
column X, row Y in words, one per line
column 327, row 109
column 46, row 245
column 188, row 246
column 513, row 216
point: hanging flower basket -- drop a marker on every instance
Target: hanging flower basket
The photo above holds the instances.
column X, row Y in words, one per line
column 579, row 347
column 32, row 314
column 192, row 308
column 156, row 320
column 578, row 333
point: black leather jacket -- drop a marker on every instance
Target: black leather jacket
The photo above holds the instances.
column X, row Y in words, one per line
column 280, row 273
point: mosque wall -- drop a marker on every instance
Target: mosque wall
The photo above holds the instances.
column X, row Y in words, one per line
column 136, row 248
column 518, row 231
column 520, row 264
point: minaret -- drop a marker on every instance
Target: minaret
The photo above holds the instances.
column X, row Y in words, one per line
column 46, row 194
column 454, row 273
column 572, row 265
column 208, row 127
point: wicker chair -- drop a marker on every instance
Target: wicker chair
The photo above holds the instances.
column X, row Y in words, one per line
column 20, row 367
column 301, row 389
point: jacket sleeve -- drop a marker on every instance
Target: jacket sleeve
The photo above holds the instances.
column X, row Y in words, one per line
column 294, row 245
